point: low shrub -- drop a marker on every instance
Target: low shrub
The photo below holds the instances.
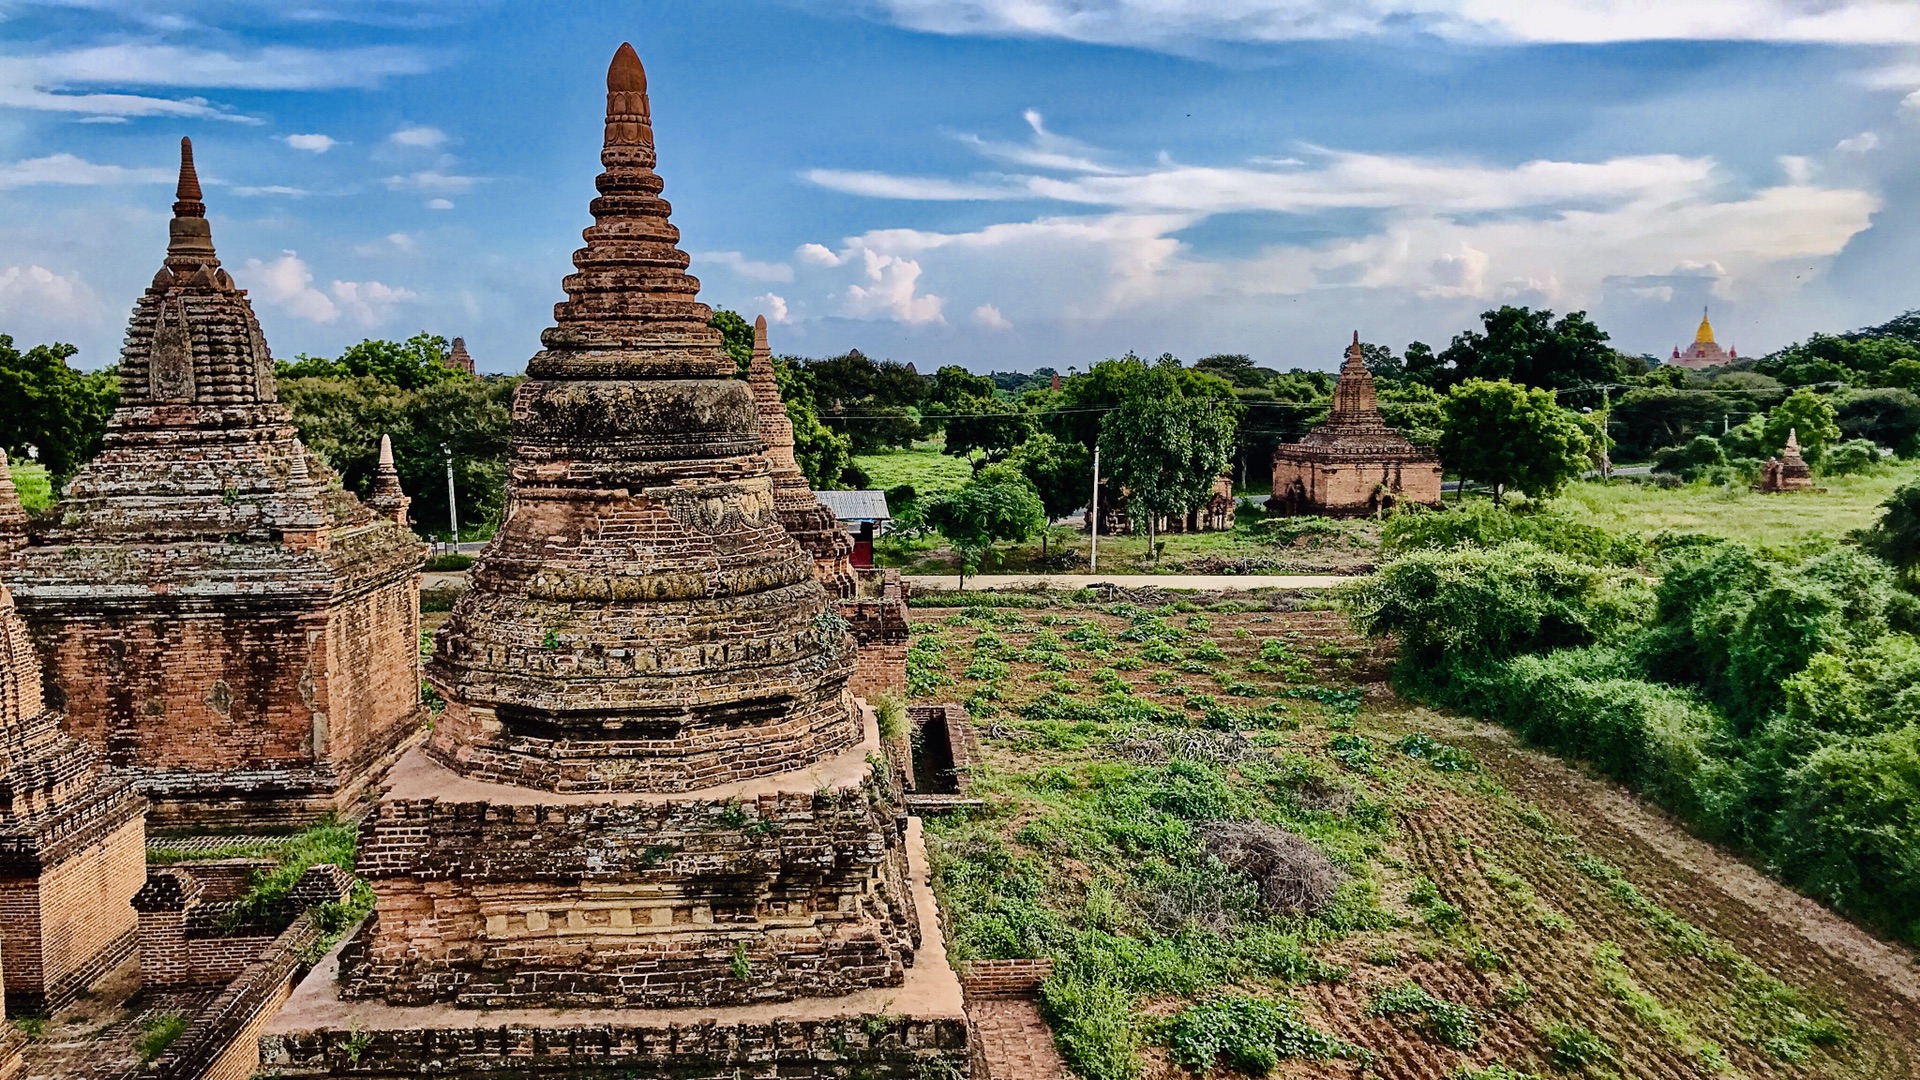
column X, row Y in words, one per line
column 1248, row 1034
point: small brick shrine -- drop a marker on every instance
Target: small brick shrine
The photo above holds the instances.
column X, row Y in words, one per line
column 215, row 613
column 72, row 837
column 1353, row 465
column 1789, row 471
column 652, row 834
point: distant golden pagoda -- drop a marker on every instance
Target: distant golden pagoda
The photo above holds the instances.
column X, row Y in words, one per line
column 1704, row 352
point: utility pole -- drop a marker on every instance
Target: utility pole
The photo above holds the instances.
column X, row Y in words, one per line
column 453, row 509
column 1606, row 433
column 1093, row 553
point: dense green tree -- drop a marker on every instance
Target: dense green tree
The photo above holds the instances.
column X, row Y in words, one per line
column 411, row 364
column 1060, row 472
column 342, row 419
column 1810, row 416
column 1903, row 375
column 977, row 419
column 997, row 505
column 1171, row 435
column 1647, row 419
column 1387, row 369
column 58, row 411
column 1532, row 348
column 738, row 336
column 1690, row 460
column 824, row 455
column 1890, row 417
column 1862, row 359
column 1505, row 435
column 874, row 403
column 1236, row 368
column 1417, row 410
column 1896, row 536
column 1421, row 365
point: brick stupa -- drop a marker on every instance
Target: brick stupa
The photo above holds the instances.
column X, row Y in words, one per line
column 801, row 512
column 216, row 614
column 652, row 834
column 458, row 358
column 72, row 837
column 1789, row 471
column 1354, row 464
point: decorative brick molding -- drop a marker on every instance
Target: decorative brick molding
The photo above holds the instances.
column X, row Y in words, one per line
column 987, row 979
column 222, row 1041
column 877, row 614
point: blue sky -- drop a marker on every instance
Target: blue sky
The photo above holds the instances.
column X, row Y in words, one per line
column 997, row 183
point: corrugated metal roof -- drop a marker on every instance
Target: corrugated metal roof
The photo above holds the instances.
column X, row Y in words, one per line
column 856, row 505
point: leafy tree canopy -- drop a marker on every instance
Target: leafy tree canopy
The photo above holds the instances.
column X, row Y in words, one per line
column 1171, row 435
column 58, row 411
column 1533, row 349
column 824, row 454
column 737, row 334
column 411, row 364
column 976, row 417
column 1810, row 416
column 997, row 505
column 1505, row 435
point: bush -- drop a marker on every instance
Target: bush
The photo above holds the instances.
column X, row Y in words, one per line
column 441, row 564
column 1482, row 524
column 1690, row 460
column 1491, row 604
column 1248, row 1034
column 1449, row 1022
column 1849, row 458
column 1851, row 828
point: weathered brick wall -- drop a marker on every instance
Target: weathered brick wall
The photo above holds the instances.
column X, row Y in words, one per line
column 373, row 673
column 833, row 1049
column 68, row 926
column 1004, row 978
column 214, row 961
column 214, row 692
column 222, row 1041
column 1346, row 488
column 948, row 746
column 657, row 903
column 879, row 671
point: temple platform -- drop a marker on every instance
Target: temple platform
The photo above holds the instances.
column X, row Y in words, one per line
column 912, row 1030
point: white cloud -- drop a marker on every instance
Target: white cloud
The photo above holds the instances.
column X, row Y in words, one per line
column 1046, row 150
column 44, row 293
column 390, row 244
column 370, row 303
column 50, row 82
column 891, row 290
column 273, row 189
column 270, row 68
column 989, row 316
column 818, row 255
column 774, row 307
column 432, row 180
column 439, row 204
column 67, row 169
column 420, row 137
column 1858, row 144
column 748, row 268
column 1910, row 105
column 1799, row 169
column 312, row 144
column 286, row 283
column 1183, row 24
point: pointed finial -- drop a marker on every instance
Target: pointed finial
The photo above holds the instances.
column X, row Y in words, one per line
column 386, row 452
column 189, row 188
column 1793, row 440
column 189, row 237
column 759, row 333
column 1356, row 337
column 629, row 120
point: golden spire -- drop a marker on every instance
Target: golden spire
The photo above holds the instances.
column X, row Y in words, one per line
column 1704, row 335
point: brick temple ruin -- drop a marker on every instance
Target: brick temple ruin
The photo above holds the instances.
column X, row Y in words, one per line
column 873, row 601
column 72, row 836
column 653, row 833
column 217, row 616
column 1354, row 464
column 1789, row 471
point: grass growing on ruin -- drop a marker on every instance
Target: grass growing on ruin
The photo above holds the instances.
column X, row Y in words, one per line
column 158, row 1033
column 1463, row 932
column 36, row 487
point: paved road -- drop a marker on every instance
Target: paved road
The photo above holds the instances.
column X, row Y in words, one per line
column 1201, row 582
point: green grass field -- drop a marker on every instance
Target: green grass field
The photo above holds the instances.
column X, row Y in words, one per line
column 1842, row 504
column 924, row 466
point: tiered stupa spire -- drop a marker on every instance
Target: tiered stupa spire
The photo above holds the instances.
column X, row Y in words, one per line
column 802, row 513
column 387, row 496
column 1354, row 463
column 192, row 575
